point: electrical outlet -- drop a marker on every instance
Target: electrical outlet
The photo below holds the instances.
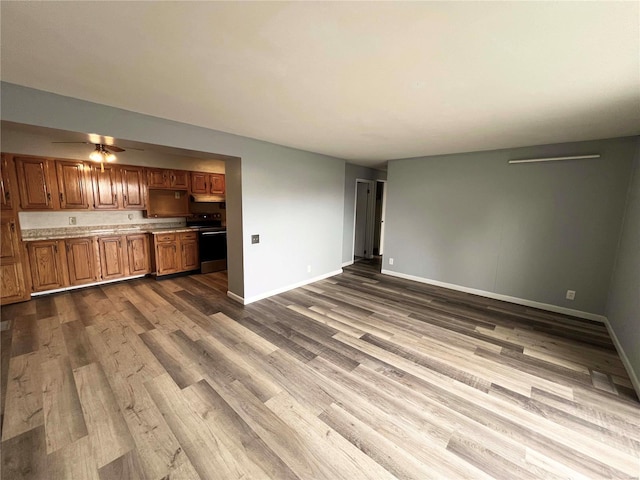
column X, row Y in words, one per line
column 177, row 195
column 255, row 238
column 308, row 268
column 571, row 294
column 391, row 261
column 130, row 216
column 72, row 220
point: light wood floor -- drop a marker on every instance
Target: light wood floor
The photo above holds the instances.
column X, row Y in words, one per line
column 357, row 376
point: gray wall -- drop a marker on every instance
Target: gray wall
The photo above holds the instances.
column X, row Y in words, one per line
column 623, row 307
column 257, row 191
column 529, row 231
column 294, row 202
column 351, row 173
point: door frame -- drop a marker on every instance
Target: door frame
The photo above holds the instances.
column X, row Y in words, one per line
column 382, row 215
column 371, row 212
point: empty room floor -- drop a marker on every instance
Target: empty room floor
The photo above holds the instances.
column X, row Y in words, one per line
column 356, row 376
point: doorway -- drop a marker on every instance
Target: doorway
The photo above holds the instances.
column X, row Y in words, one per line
column 369, row 215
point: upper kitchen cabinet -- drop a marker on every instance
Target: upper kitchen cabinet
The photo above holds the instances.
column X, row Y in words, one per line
column 162, row 178
column 133, row 188
column 217, row 183
column 105, row 187
column 36, row 183
column 7, row 183
column 207, row 183
column 74, row 184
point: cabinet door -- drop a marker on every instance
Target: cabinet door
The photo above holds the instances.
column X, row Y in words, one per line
column 12, row 282
column 81, row 260
column 138, row 251
column 46, row 265
column 111, row 257
column 105, row 191
column 35, row 185
column 179, row 179
column 217, row 183
column 199, row 183
column 7, row 185
column 133, row 188
column 190, row 259
column 9, row 240
column 158, row 178
column 73, row 185
column 167, row 259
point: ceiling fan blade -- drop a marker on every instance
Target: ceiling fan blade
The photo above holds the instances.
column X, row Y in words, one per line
column 113, row 148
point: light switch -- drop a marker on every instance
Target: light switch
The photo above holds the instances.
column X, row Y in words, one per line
column 255, row 238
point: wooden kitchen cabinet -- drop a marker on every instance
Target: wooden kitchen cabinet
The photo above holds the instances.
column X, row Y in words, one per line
column 167, row 259
column 163, row 178
column 105, row 187
column 138, row 254
column 123, row 256
column 7, row 183
column 81, row 261
column 133, row 188
column 36, row 183
column 112, row 257
column 48, row 269
column 217, row 184
column 189, row 258
column 207, row 183
column 74, row 185
column 176, row 252
column 13, row 283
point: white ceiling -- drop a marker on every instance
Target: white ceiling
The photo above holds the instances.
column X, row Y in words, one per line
column 364, row 81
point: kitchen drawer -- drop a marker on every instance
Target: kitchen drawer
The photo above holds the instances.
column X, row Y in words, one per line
column 189, row 236
column 166, row 237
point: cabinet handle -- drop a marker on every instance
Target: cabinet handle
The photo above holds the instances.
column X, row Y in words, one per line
column 115, row 197
column 55, row 248
column 124, row 198
column 13, row 226
column 61, row 197
column 7, row 197
column 67, row 245
column 48, row 197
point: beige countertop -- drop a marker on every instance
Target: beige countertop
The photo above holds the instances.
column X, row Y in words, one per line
column 101, row 230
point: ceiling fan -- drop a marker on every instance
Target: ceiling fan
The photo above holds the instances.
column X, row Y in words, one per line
column 103, row 152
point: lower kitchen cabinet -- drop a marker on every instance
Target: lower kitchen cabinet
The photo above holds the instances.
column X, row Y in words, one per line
column 189, row 258
column 138, row 253
column 175, row 252
column 62, row 263
column 47, row 265
column 112, row 258
column 124, row 255
column 13, row 285
column 82, row 261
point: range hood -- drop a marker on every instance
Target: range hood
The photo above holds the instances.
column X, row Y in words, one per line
column 207, row 198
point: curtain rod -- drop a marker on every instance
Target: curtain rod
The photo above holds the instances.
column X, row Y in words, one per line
column 553, row 159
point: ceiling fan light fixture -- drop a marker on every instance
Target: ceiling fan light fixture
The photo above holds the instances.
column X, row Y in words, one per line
column 100, row 154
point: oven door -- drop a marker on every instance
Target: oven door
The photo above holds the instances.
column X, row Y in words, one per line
column 213, row 251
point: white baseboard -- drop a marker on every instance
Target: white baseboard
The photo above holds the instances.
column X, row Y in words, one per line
column 346, row 264
column 235, row 297
column 623, row 356
column 76, row 287
column 255, row 298
column 497, row 296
